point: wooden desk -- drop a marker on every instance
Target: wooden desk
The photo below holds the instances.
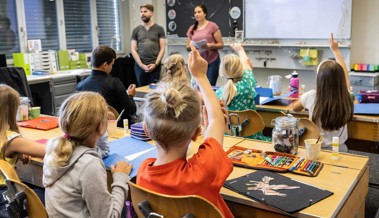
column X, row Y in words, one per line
column 361, row 127
column 349, row 182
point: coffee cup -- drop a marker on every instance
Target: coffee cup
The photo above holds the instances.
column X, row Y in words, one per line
column 35, row 112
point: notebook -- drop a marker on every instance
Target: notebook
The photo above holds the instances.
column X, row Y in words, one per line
column 43, row 123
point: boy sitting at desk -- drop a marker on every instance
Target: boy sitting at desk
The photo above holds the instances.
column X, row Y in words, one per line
column 111, row 88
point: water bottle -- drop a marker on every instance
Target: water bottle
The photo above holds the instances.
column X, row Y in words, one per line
column 352, row 93
column 294, row 83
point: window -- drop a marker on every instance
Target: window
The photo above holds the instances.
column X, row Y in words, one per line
column 108, row 21
column 9, row 42
column 41, row 23
column 77, row 15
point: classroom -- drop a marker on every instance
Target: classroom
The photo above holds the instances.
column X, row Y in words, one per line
column 74, row 30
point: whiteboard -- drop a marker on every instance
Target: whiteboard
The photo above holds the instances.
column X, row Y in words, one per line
column 297, row 19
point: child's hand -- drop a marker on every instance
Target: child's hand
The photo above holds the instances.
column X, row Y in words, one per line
column 197, row 65
column 333, row 44
column 121, row 167
column 131, row 90
column 236, row 47
column 25, row 158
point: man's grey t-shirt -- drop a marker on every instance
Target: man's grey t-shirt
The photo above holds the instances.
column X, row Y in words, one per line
column 148, row 42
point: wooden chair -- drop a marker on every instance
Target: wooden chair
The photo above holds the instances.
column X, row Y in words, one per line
column 245, row 123
column 34, row 206
column 311, row 130
column 146, row 202
column 113, row 112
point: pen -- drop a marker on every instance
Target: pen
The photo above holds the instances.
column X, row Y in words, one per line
column 119, row 116
column 296, row 164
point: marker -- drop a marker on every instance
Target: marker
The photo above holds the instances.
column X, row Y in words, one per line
column 282, row 161
column 302, row 163
column 314, row 170
column 296, row 164
column 306, row 165
column 267, row 158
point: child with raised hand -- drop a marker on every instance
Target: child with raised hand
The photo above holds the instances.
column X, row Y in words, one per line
column 239, row 91
column 330, row 106
column 12, row 145
column 74, row 174
column 172, row 120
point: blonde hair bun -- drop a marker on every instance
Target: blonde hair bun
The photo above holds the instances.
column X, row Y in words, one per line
column 172, row 98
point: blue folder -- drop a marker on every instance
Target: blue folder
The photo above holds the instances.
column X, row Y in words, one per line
column 127, row 146
column 279, row 100
column 366, row 109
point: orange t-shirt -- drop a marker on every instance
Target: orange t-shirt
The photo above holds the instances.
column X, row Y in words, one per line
column 203, row 174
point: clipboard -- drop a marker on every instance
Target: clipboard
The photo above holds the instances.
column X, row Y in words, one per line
column 42, row 123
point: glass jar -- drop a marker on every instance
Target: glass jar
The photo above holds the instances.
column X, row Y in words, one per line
column 23, row 109
column 285, row 134
column 275, row 83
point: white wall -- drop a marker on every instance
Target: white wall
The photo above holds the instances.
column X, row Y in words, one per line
column 364, row 40
column 365, row 32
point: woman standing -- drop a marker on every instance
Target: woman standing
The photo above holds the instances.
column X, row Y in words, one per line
column 209, row 32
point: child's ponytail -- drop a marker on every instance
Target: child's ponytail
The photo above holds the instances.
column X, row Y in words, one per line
column 59, row 151
column 230, row 91
column 231, row 68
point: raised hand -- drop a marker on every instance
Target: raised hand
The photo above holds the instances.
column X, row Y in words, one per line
column 196, row 64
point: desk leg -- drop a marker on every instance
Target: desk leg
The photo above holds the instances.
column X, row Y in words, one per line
column 355, row 204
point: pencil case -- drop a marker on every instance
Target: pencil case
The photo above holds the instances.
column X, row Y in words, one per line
column 369, row 96
column 273, row 161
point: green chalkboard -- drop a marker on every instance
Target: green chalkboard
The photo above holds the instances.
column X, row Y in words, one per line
column 224, row 13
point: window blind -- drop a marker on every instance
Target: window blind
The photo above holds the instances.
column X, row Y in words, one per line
column 41, row 23
column 108, row 20
column 9, row 41
column 77, row 14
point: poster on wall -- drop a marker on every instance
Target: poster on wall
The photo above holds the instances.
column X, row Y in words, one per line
column 227, row 14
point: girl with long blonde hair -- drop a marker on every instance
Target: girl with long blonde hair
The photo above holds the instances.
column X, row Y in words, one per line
column 74, row 174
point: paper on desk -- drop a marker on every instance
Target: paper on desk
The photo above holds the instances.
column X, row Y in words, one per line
column 135, row 151
column 134, row 156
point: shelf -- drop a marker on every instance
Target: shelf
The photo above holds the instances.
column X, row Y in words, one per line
column 270, row 43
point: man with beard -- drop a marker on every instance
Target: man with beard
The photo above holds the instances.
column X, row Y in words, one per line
column 148, row 47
